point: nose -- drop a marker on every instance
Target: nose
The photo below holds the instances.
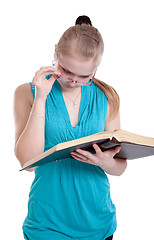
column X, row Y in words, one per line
column 73, row 79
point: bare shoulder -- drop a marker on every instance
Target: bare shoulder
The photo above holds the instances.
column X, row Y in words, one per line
column 23, row 101
column 24, row 92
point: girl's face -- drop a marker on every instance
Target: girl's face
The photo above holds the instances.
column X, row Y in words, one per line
column 75, row 71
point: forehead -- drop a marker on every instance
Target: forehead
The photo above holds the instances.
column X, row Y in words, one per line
column 77, row 65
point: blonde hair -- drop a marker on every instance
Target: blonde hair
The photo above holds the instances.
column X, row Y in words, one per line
column 112, row 96
column 88, row 43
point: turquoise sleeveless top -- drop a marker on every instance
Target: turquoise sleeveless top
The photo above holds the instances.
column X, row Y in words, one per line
column 70, row 199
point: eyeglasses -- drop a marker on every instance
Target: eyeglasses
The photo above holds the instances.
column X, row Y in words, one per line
column 76, row 82
column 88, row 83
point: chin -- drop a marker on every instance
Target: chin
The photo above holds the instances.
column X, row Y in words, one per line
column 69, row 85
column 72, row 85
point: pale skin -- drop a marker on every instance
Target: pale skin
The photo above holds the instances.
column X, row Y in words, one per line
column 29, row 129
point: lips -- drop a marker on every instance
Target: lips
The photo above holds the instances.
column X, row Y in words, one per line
column 70, row 85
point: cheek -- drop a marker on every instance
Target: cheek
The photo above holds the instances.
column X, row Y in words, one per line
column 65, row 85
column 64, row 75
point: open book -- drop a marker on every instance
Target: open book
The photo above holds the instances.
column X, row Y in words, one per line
column 132, row 146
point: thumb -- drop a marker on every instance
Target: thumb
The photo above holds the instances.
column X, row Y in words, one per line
column 116, row 150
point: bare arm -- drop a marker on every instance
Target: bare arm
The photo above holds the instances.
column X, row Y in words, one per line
column 117, row 165
column 105, row 160
column 29, row 129
column 112, row 124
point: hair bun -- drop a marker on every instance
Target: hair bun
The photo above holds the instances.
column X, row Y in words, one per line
column 83, row 20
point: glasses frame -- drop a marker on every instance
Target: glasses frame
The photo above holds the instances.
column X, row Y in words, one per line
column 76, row 82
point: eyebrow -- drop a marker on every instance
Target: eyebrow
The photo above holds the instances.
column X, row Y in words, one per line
column 74, row 73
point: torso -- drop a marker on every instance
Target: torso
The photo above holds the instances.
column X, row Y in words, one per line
column 73, row 111
column 87, row 185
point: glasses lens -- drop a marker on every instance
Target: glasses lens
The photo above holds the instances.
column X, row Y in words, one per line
column 63, row 79
column 79, row 83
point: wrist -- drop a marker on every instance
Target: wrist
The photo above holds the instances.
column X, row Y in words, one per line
column 108, row 165
column 37, row 115
column 40, row 95
column 38, row 107
column 41, row 99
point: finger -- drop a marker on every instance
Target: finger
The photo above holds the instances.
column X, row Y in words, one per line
column 47, row 76
column 88, row 155
column 117, row 149
column 114, row 151
column 79, row 157
column 47, row 70
column 51, row 76
column 85, row 156
column 85, row 161
column 84, row 153
column 97, row 148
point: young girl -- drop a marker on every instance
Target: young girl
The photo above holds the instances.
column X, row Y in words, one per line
column 69, row 198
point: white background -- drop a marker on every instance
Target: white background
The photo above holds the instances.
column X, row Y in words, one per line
column 29, row 31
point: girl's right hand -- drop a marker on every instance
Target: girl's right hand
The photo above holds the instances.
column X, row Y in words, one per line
column 43, row 86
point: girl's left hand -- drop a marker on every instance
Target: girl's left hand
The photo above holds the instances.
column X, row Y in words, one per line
column 105, row 160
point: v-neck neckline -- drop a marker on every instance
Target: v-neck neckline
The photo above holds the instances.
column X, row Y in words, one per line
column 66, row 110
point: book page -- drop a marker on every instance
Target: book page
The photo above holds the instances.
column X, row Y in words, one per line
column 97, row 136
column 125, row 136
